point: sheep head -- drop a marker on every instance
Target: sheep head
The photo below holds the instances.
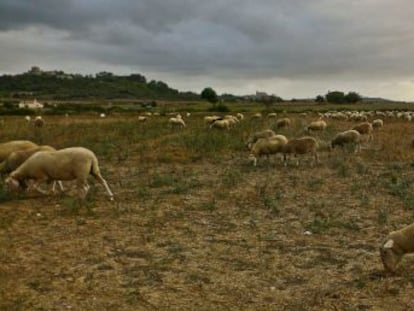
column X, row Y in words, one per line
column 12, row 184
column 388, row 256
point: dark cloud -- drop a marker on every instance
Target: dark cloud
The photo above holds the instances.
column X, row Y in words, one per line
column 234, row 40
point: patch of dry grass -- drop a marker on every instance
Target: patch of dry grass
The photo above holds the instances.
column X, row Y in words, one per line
column 195, row 226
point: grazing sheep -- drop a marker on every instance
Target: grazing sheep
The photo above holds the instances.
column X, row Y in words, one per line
column 282, row 123
column 365, row 128
column 14, row 145
column 319, row 125
column 257, row 115
column 396, row 245
column 210, row 119
column 220, row 124
column 16, row 158
column 303, row 145
column 261, row 134
column 28, row 118
column 142, row 118
column 176, row 121
column 102, row 115
column 272, row 115
column 65, row 164
column 240, row 116
column 345, row 138
column 232, row 120
column 377, row 123
column 38, row 122
column 267, row 146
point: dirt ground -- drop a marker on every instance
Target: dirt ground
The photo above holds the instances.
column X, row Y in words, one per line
column 216, row 233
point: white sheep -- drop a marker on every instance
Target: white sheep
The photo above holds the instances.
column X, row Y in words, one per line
column 284, row 122
column 319, row 125
column 221, row 124
column 16, row 158
column 240, row 116
column 176, row 122
column 267, row 146
column 65, row 164
column 272, row 115
column 261, row 134
column 396, row 245
column 210, row 119
column 14, row 145
column 345, row 138
column 142, row 118
column 299, row 146
column 38, row 121
column 377, row 123
column 365, row 128
column 257, row 115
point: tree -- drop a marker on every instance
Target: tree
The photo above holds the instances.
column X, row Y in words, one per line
column 352, row 97
column 319, row 99
column 335, row 97
column 209, row 95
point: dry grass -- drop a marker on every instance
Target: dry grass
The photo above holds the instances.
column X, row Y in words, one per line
column 196, row 227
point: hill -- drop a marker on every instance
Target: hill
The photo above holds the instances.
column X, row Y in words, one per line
column 104, row 85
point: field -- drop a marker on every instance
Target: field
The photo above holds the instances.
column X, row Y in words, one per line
column 194, row 226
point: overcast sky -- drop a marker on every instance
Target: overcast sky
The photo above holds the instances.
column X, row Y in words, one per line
column 290, row 48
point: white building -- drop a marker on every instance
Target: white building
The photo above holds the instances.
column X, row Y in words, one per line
column 34, row 104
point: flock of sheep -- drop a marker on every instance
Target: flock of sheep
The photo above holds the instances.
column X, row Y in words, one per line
column 28, row 164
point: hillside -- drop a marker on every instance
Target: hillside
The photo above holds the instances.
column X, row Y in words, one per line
column 104, row 85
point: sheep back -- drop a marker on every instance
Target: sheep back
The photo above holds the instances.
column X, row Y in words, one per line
column 14, row 145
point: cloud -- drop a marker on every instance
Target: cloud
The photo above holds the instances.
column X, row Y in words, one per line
column 237, row 43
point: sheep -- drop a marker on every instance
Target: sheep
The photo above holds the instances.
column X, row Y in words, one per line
column 14, row 145
column 142, row 118
column 16, row 158
column 319, row 125
column 272, row 115
column 240, row 116
column 38, row 122
column 176, row 122
column 257, row 115
column 232, row 120
column 28, row 118
column 210, row 119
column 284, row 122
column 365, row 128
column 303, row 145
column 65, row 164
column 377, row 123
column 396, row 245
column 220, row 124
column 347, row 137
column 267, row 146
column 261, row 134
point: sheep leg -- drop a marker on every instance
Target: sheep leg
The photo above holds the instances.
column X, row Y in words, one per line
column 83, row 189
column 285, row 159
column 54, row 186
column 35, row 186
column 105, row 184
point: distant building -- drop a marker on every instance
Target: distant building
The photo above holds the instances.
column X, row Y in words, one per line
column 34, row 104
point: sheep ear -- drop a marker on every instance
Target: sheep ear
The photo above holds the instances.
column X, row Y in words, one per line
column 389, row 244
